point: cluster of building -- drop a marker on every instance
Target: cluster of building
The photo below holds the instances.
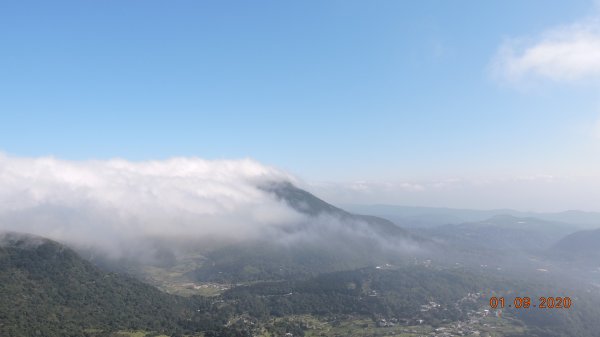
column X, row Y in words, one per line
column 471, row 326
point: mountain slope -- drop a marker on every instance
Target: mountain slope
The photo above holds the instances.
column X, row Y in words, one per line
column 306, row 203
column 46, row 289
column 582, row 245
column 328, row 239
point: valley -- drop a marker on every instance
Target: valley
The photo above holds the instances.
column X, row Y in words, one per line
column 331, row 274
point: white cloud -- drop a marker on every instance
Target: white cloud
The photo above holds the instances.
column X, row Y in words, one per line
column 129, row 209
column 566, row 53
column 115, row 203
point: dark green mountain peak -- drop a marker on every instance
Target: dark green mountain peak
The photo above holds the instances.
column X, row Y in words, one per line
column 310, row 205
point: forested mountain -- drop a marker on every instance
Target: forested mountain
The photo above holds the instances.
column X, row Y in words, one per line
column 46, row 289
column 308, row 204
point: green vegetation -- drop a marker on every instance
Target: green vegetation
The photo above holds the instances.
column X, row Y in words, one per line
column 48, row 290
column 175, row 279
column 358, row 326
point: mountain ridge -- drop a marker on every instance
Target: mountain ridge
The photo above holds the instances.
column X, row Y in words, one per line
column 423, row 216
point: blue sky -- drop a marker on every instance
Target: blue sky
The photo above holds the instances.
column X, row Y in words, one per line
column 332, row 91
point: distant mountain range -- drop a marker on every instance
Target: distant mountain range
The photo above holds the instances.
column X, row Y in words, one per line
column 581, row 245
column 409, row 216
column 502, row 232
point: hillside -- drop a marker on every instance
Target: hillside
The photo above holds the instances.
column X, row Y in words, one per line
column 327, row 239
column 46, row 289
column 306, row 203
column 581, row 245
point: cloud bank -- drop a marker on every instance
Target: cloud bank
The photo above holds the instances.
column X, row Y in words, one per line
column 566, row 53
column 115, row 203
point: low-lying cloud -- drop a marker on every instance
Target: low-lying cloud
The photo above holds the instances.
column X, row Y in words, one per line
column 112, row 204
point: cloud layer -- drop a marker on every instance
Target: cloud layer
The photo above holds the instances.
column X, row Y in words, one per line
column 114, row 203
